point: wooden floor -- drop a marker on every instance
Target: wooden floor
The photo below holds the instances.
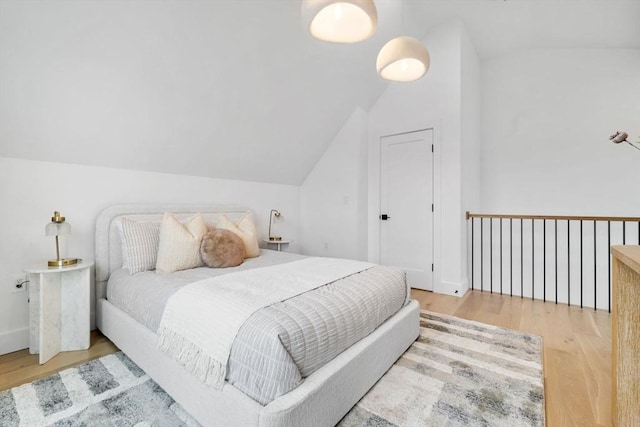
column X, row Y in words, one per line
column 577, row 351
column 21, row 367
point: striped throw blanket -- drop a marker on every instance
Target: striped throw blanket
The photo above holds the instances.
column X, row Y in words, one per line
column 202, row 319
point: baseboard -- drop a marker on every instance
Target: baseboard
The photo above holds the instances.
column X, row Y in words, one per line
column 457, row 289
column 19, row 339
column 14, row 340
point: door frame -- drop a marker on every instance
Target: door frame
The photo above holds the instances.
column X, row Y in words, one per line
column 374, row 236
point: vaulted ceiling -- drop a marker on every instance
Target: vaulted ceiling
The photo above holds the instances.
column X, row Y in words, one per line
column 232, row 88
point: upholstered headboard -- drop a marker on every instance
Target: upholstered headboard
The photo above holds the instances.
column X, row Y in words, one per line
column 109, row 246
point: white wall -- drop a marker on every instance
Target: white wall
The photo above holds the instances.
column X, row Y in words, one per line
column 471, row 134
column 31, row 190
column 547, row 117
column 431, row 102
column 333, row 196
column 241, row 83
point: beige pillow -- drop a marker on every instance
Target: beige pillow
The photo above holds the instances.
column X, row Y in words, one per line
column 179, row 247
column 246, row 230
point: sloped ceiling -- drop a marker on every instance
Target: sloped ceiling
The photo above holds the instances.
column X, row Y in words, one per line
column 231, row 88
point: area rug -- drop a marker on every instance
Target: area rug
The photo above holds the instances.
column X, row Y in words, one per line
column 457, row 373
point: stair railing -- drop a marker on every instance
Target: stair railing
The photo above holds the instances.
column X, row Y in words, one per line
column 558, row 258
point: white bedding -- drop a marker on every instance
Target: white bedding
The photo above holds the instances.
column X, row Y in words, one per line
column 280, row 345
column 201, row 320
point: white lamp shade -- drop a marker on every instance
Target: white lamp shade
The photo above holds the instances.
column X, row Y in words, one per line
column 58, row 229
column 345, row 21
column 403, row 59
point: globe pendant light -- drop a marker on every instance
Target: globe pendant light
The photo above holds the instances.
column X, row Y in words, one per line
column 345, row 21
column 403, row 59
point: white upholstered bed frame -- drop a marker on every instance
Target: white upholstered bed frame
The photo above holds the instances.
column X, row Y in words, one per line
column 321, row 400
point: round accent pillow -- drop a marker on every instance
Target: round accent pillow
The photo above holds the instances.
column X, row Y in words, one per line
column 222, row 248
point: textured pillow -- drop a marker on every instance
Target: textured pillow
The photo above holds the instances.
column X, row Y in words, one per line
column 246, row 230
column 222, row 248
column 139, row 245
column 179, row 247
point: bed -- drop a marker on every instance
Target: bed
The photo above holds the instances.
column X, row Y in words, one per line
column 321, row 396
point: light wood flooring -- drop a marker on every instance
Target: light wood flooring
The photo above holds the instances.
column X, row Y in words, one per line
column 21, row 367
column 577, row 351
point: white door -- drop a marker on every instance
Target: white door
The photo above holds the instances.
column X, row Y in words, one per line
column 406, row 203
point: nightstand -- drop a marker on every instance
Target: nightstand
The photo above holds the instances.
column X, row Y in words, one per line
column 277, row 242
column 59, row 308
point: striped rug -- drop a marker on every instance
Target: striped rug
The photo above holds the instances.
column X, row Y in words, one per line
column 457, row 373
column 110, row 391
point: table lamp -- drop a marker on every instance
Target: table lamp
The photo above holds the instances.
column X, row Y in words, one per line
column 58, row 227
column 273, row 213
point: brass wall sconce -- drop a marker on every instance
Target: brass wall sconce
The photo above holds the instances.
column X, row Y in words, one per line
column 620, row 137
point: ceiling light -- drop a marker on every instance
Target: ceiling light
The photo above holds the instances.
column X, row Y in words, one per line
column 403, row 59
column 346, row 21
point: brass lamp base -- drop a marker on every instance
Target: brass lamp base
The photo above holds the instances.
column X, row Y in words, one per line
column 275, row 239
column 63, row 262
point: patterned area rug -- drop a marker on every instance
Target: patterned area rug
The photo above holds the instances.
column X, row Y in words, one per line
column 457, row 373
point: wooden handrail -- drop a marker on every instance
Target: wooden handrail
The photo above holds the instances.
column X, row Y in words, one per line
column 558, row 217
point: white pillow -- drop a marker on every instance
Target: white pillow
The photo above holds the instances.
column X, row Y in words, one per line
column 179, row 247
column 139, row 244
column 246, row 230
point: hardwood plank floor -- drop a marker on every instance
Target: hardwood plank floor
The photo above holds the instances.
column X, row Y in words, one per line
column 20, row 367
column 577, row 351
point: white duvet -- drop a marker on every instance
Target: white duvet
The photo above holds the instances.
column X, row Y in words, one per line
column 201, row 320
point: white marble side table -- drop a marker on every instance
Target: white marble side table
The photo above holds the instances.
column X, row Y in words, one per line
column 59, row 312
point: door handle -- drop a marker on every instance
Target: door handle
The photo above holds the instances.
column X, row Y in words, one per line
column 384, row 217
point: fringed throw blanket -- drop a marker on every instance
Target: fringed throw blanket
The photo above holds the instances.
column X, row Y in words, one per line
column 202, row 319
